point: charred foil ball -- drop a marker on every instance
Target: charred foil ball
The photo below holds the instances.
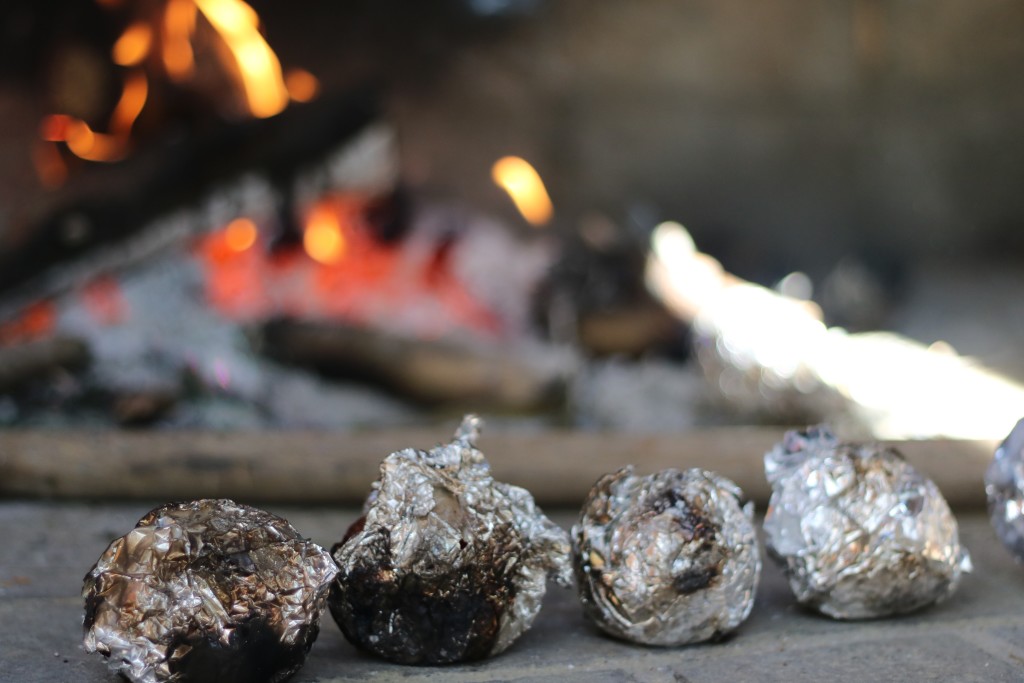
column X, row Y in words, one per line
column 1004, row 487
column 859, row 532
column 207, row 591
column 667, row 559
column 446, row 564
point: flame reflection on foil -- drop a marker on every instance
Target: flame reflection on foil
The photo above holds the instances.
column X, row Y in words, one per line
column 523, row 184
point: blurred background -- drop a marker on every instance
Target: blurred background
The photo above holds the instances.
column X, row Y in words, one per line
column 231, row 216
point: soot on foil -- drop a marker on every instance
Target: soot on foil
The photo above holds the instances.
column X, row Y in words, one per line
column 446, row 564
column 1004, row 486
column 207, row 591
column 859, row 532
column 666, row 559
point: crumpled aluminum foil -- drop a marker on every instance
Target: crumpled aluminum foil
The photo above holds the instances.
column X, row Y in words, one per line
column 859, row 532
column 446, row 564
column 207, row 591
column 666, row 559
column 1004, row 486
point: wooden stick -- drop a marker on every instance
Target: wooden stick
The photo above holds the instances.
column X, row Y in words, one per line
column 337, row 468
column 426, row 371
column 25, row 361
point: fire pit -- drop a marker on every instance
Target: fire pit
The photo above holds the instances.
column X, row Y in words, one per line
column 247, row 249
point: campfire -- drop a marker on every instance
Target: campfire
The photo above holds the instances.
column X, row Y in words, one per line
column 224, row 239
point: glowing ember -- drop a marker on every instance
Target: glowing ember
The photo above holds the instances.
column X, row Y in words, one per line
column 240, row 234
column 35, row 322
column 103, row 299
column 523, row 184
column 302, row 85
column 323, row 239
column 341, row 273
column 258, row 66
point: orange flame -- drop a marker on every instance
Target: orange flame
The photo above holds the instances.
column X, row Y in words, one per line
column 523, row 184
column 169, row 37
column 259, row 69
column 86, row 143
column 302, row 85
column 133, row 45
column 323, row 238
column 179, row 23
column 133, row 99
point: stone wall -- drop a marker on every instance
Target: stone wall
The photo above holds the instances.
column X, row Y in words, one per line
column 793, row 130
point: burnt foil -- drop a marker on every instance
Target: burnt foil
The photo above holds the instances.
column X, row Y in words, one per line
column 859, row 532
column 1004, row 487
column 207, row 591
column 446, row 564
column 666, row 559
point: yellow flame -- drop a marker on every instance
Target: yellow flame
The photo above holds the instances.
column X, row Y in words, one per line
column 302, row 85
column 179, row 23
column 323, row 239
column 240, row 234
column 258, row 66
column 523, row 184
column 133, row 45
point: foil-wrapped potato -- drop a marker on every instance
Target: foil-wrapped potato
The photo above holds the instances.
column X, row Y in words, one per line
column 446, row 565
column 208, row 590
column 859, row 532
column 666, row 559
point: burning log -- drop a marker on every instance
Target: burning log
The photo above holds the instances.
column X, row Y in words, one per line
column 426, row 371
column 768, row 354
column 23, row 362
column 67, row 249
column 143, row 407
column 558, row 467
column 625, row 331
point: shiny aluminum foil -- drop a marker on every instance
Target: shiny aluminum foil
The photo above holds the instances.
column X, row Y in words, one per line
column 666, row 559
column 1004, row 486
column 207, row 591
column 446, row 564
column 859, row 532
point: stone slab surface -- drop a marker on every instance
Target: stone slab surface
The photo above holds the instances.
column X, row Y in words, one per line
column 978, row 635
